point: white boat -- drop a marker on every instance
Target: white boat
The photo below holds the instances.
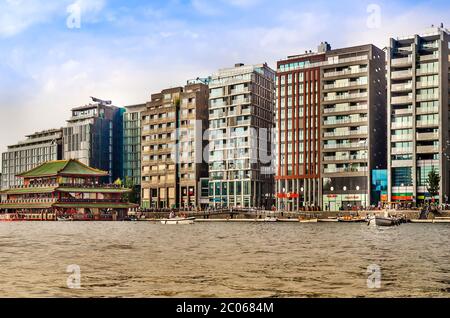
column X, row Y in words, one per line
column 383, row 221
column 63, row 218
column 177, row 220
column 270, row 219
column 308, row 220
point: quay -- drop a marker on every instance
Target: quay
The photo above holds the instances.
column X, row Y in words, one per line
column 266, row 216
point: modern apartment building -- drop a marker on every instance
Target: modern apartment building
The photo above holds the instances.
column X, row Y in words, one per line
column 94, row 136
column 241, row 122
column 172, row 147
column 418, row 108
column 36, row 149
column 331, row 127
column 132, row 144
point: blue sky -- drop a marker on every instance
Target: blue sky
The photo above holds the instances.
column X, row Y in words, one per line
column 125, row 50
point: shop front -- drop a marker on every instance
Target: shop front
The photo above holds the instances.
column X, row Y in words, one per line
column 336, row 202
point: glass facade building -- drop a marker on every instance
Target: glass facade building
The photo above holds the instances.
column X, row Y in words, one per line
column 94, row 136
column 132, row 144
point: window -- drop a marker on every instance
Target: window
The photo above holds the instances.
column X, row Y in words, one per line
column 402, row 176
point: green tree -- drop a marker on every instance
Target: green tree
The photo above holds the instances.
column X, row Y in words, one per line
column 133, row 196
column 433, row 183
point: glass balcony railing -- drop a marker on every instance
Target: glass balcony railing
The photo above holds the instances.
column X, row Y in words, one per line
column 344, row 96
column 345, row 121
column 344, row 109
column 345, row 72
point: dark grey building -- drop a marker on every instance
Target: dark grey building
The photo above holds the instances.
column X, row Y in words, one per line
column 94, row 136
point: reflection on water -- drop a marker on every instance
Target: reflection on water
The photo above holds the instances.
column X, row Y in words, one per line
column 223, row 259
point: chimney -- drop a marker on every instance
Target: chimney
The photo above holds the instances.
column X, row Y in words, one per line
column 238, row 64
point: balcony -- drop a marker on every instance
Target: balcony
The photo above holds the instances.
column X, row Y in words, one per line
column 241, row 101
column 401, row 163
column 405, row 137
column 345, row 121
column 401, row 74
column 430, row 57
column 345, row 133
column 427, row 136
column 427, row 71
column 344, row 146
column 30, row 201
column 427, row 149
column 427, row 124
column 344, row 96
column 400, row 100
column 345, row 72
column 401, row 125
column 75, row 200
column 427, row 97
column 345, row 109
column 405, row 61
column 401, row 87
column 427, row 110
column 345, row 158
column 346, row 85
column 345, row 170
column 427, row 84
column 403, row 111
column 401, row 151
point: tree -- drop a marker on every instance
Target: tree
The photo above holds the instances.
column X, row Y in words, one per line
column 133, row 196
column 433, row 183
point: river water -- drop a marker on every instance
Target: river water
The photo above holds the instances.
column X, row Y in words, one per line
column 126, row 259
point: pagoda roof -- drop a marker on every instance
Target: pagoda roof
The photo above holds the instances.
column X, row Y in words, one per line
column 70, row 167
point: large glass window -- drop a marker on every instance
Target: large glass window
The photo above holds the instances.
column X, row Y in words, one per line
column 402, row 176
column 422, row 174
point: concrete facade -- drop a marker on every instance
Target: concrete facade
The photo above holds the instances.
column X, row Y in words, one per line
column 38, row 148
column 418, row 108
column 172, row 147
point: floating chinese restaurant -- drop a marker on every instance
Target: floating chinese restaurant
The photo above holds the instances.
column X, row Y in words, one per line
column 64, row 190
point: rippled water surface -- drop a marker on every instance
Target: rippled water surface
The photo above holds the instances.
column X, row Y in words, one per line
column 125, row 259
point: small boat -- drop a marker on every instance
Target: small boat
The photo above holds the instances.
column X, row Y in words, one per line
column 63, row 218
column 308, row 220
column 177, row 220
column 270, row 219
column 329, row 219
column 352, row 219
column 384, row 221
column 10, row 217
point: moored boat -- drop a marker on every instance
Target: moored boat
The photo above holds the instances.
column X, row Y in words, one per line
column 270, row 219
column 308, row 220
column 178, row 220
column 384, row 221
column 352, row 219
column 63, row 218
column 10, row 217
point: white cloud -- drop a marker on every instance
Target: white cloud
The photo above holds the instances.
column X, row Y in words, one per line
column 16, row 15
column 243, row 3
column 206, row 7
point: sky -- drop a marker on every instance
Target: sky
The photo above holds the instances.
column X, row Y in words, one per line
column 54, row 54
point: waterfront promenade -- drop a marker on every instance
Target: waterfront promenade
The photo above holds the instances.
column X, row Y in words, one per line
column 240, row 215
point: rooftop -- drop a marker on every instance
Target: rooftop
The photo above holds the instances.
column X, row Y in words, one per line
column 63, row 167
